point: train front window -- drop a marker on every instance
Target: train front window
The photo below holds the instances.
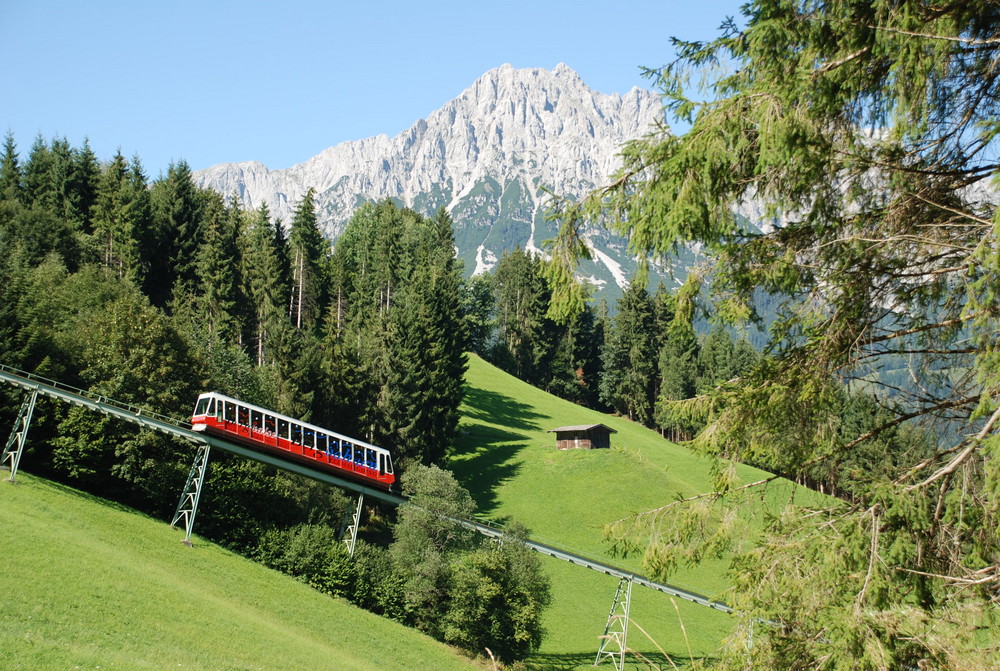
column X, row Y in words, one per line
column 202, row 407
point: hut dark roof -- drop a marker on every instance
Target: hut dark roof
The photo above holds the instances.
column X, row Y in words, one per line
column 582, row 427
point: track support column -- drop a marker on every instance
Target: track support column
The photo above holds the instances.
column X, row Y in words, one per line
column 614, row 640
column 187, row 508
column 19, row 434
column 349, row 529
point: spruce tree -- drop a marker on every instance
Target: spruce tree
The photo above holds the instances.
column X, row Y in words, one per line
column 630, row 376
column 216, row 262
column 309, row 255
column 11, row 174
column 263, row 284
column 177, row 217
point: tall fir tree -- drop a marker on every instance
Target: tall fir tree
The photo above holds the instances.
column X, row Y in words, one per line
column 11, row 172
column 309, row 253
column 630, row 375
column 177, row 218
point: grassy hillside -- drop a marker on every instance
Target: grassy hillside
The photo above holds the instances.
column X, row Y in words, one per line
column 509, row 462
column 89, row 585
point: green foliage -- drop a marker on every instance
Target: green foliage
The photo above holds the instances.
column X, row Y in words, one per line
column 425, row 540
column 497, row 594
column 866, row 130
column 309, row 255
column 313, row 554
column 629, row 381
column 473, row 593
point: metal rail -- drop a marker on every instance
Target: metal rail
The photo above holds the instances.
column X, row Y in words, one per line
column 181, row 429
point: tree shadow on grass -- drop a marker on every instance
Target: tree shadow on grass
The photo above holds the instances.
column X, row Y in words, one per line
column 484, row 458
column 496, row 408
column 485, row 453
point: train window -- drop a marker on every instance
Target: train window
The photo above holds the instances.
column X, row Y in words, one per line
column 359, row 455
column 230, row 412
column 211, row 407
column 346, row 452
column 388, row 464
column 202, row 407
column 256, row 419
column 269, row 424
column 283, row 428
column 321, row 442
column 370, row 459
column 219, row 408
column 242, row 416
column 296, row 434
column 309, row 438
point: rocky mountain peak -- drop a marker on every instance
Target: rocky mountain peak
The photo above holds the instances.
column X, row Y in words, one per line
column 483, row 155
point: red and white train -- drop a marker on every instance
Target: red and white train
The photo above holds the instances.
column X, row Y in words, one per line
column 264, row 429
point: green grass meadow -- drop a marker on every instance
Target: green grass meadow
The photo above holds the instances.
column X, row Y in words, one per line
column 87, row 584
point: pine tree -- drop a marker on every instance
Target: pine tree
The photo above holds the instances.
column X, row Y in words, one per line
column 630, row 376
column 121, row 220
column 11, row 174
column 520, row 313
column 216, row 262
column 263, row 283
column 309, row 254
column 177, row 218
column 37, row 175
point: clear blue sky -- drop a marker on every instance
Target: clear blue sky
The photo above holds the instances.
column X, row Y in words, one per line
column 217, row 81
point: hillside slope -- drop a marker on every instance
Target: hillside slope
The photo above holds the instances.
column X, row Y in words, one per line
column 506, row 458
column 88, row 584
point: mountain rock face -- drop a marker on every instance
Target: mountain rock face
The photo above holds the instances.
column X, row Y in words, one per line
column 485, row 156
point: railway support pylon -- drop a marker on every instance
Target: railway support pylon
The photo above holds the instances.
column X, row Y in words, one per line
column 187, row 508
column 349, row 529
column 19, row 434
column 614, row 640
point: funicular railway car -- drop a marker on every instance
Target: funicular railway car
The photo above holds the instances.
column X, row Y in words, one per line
column 264, row 429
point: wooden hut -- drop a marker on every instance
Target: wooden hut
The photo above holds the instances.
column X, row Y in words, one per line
column 584, row 437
